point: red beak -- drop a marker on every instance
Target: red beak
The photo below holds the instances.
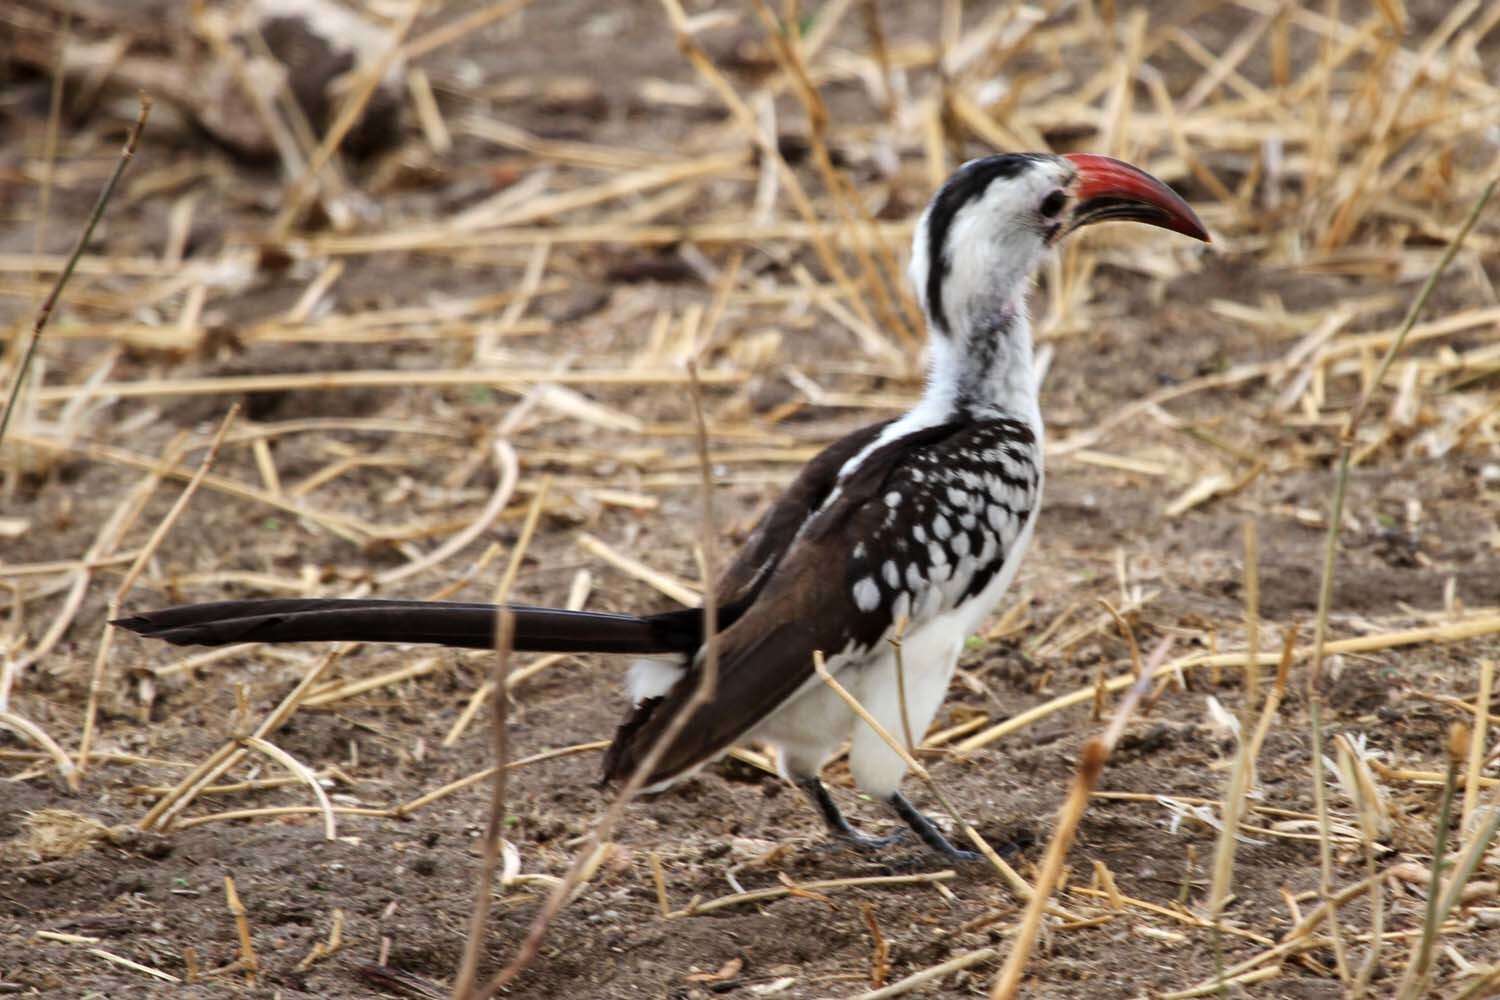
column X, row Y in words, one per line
column 1108, row 188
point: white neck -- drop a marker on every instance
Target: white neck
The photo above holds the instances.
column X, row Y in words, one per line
column 984, row 367
column 990, row 374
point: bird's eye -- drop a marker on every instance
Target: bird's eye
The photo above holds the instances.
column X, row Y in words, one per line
column 1053, row 203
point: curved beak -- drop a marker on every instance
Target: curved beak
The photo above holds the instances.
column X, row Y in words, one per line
column 1108, row 188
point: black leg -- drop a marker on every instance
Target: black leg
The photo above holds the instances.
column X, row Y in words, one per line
column 930, row 834
column 834, row 819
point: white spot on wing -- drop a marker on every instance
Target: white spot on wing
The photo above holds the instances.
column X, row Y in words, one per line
column 958, row 581
column 991, row 546
column 866, row 594
column 892, row 574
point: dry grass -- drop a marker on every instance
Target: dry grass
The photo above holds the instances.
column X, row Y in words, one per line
column 1332, row 147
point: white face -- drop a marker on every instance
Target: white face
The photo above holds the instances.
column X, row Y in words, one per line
column 996, row 218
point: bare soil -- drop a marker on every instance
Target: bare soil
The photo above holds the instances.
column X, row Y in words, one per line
column 1421, row 542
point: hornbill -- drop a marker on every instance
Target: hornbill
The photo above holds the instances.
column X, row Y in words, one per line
column 920, row 520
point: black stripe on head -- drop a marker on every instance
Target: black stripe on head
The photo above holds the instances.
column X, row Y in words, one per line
column 967, row 184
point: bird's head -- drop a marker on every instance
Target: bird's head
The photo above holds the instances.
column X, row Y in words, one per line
column 984, row 233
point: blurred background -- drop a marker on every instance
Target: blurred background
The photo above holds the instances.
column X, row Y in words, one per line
column 452, row 259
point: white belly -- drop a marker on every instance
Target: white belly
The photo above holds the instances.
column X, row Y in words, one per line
column 810, row 726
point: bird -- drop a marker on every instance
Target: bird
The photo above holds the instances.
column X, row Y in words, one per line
column 909, row 529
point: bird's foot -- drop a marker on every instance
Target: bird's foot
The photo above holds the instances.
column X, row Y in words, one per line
column 933, row 837
column 843, row 834
column 957, row 855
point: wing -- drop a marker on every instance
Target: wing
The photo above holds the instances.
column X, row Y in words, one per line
column 741, row 581
column 762, row 552
column 924, row 522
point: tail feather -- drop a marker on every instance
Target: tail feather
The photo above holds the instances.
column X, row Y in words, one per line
column 471, row 626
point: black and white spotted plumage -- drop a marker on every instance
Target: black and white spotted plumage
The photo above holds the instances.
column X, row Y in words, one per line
column 952, row 511
column 941, row 510
column 917, row 524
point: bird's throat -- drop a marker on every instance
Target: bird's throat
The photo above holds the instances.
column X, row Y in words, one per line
column 984, row 367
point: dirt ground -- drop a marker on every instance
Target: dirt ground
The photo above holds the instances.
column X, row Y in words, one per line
column 1420, row 544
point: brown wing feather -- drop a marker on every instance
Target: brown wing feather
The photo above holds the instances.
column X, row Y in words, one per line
column 774, row 532
column 803, row 605
column 739, row 587
column 763, row 658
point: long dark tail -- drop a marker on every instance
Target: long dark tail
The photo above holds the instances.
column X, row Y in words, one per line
column 472, row 626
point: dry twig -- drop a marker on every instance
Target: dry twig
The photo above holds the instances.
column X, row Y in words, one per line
column 50, row 302
column 708, row 668
column 1090, row 764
